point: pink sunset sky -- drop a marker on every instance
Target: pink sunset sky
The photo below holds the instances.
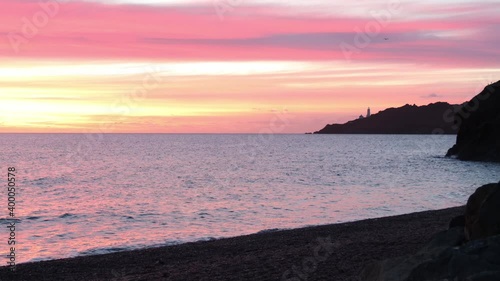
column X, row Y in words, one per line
column 234, row 66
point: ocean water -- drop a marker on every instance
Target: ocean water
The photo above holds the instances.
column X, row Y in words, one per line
column 83, row 194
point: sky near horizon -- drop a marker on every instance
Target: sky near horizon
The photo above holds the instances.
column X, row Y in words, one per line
column 235, row 66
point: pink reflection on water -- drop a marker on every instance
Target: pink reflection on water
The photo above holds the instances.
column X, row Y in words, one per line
column 145, row 190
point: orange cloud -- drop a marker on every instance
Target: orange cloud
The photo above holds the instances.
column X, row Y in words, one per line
column 78, row 65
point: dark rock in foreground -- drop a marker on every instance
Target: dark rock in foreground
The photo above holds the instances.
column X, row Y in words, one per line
column 475, row 261
column 402, row 268
column 482, row 213
column 478, row 138
column 469, row 253
column 435, row 118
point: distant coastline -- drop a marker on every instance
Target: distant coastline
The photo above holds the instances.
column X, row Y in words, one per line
column 435, row 118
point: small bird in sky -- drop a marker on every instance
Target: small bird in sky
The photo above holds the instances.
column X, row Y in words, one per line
column 386, row 38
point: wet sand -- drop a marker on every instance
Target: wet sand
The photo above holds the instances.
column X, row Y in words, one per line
column 329, row 252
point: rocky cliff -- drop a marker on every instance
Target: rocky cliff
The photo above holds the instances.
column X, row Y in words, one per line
column 478, row 137
column 435, row 118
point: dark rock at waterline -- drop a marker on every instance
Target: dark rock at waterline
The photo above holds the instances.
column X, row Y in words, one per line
column 478, row 137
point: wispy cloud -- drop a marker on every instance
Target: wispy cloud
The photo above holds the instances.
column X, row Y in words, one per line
column 431, row 96
column 266, row 54
column 190, row 32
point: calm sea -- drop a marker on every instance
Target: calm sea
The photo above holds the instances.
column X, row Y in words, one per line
column 91, row 194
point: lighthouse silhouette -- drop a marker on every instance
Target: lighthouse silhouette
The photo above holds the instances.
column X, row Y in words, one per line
column 368, row 113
